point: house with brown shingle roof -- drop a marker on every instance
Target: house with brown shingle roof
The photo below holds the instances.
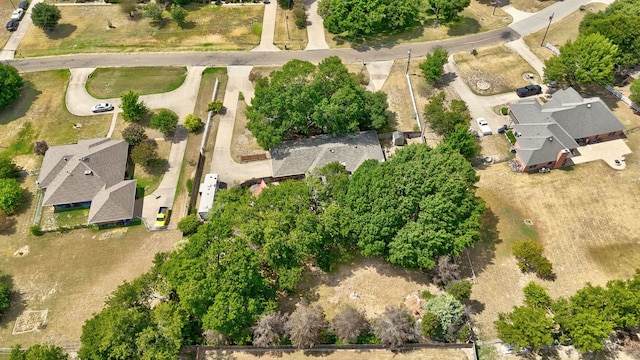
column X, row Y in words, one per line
column 89, row 174
column 548, row 134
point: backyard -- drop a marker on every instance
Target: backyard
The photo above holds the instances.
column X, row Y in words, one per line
column 85, row 29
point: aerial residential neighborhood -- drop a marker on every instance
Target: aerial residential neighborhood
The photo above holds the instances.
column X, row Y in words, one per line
column 353, row 180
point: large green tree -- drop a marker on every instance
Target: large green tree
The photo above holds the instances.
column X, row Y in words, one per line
column 433, row 65
column 525, row 327
column 303, row 100
column 447, row 10
column 368, row 17
column 45, row 16
column 39, row 352
column 132, row 108
column 164, row 120
column 10, row 84
column 588, row 60
column 415, row 207
column 10, row 195
column 620, row 23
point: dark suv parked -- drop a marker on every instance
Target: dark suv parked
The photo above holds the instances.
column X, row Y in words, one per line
column 12, row 25
column 23, row 5
column 529, row 90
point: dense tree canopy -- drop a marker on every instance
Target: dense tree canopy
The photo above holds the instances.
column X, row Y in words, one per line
column 39, row 352
column 620, row 23
column 10, row 84
column 447, row 10
column 415, row 207
column 360, row 17
column 303, row 100
column 433, row 65
column 588, row 60
column 10, row 195
column 525, row 327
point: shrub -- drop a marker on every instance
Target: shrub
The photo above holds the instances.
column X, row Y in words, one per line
column 215, row 106
column 134, row 134
column 132, row 109
column 40, row 147
column 504, row 110
column 35, row 230
column 461, row 290
column 189, row 224
column 145, row 153
column 511, row 137
column 8, row 169
column 193, row 123
column 531, row 259
column 165, row 121
column 10, row 195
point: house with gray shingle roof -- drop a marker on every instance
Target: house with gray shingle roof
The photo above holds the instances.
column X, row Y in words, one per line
column 295, row 158
column 548, row 134
column 89, row 174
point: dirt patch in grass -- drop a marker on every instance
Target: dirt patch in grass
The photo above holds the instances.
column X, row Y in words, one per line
column 286, row 31
column 106, row 83
column 559, row 32
column 496, row 66
column 531, row 5
column 421, row 354
column 587, row 226
column 474, row 19
column 367, row 284
column 40, row 114
column 84, row 29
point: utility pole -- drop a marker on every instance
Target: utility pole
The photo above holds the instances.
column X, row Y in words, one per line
column 494, row 8
column 408, row 61
column 546, row 31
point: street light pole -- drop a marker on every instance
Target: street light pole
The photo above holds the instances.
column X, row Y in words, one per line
column 494, row 8
column 408, row 61
column 546, row 31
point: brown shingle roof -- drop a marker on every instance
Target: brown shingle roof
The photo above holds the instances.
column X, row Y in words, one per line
column 113, row 204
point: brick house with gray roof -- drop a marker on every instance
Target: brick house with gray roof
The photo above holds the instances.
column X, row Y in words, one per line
column 89, row 174
column 548, row 134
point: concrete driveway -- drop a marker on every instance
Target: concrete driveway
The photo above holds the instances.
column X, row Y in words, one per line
column 222, row 164
column 315, row 27
column 268, row 28
column 608, row 151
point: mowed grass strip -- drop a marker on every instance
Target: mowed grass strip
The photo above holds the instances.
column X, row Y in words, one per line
column 84, row 29
column 107, row 83
column 559, row 32
column 496, row 65
column 531, row 5
column 286, row 31
column 477, row 17
column 40, row 114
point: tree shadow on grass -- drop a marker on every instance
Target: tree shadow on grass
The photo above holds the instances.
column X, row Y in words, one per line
column 62, row 31
column 19, row 108
column 482, row 254
column 17, row 303
column 188, row 25
column 465, row 26
column 157, row 167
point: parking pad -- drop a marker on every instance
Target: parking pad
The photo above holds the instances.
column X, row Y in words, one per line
column 612, row 152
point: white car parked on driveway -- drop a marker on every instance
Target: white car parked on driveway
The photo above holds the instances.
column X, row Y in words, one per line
column 484, row 126
column 17, row 14
column 102, row 107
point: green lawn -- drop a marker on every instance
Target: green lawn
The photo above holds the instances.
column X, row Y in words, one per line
column 106, row 83
column 40, row 114
column 71, row 217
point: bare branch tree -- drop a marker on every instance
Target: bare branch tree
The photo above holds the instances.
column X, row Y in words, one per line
column 394, row 327
column 348, row 324
column 212, row 337
column 305, row 326
column 445, row 272
column 269, row 329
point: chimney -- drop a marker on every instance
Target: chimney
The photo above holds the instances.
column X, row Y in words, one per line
column 561, row 158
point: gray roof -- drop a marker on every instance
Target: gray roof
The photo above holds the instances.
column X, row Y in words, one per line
column 113, row 204
column 80, row 172
column 563, row 119
column 296, row 157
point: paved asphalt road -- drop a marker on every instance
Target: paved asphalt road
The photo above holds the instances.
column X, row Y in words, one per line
column 258, row 57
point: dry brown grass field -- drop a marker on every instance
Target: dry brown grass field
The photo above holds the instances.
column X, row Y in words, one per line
column 585, row 217
column 559, row 32
column 243, row 142
column 496, row 65
column 531, row 5
column 84, row 29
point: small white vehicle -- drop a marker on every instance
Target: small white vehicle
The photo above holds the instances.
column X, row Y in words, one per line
column 102, row 107
column 17, row 14
column 484, row 126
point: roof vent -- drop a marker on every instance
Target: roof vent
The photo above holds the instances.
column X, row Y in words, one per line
column 88, row 172
column 550, row 138
column 84, row 158
column 518, row 133
column 64, row 158
column 589, row 106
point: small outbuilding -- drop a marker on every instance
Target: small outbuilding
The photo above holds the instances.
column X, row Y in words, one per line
column 398, row 138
